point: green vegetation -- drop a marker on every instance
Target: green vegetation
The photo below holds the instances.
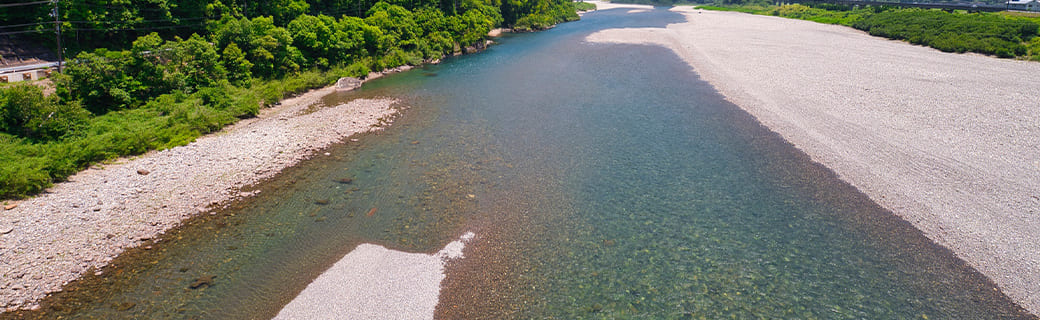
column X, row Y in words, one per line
column 1001, row 34
column 207, row 64
column 584, row 6
column 954, row 32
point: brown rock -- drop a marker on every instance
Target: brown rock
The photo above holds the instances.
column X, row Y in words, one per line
column 143, row 172
column 11, row 206
column 202, row 281
column 125, row 306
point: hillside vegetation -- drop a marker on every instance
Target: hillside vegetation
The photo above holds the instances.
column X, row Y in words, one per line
column 159, row 73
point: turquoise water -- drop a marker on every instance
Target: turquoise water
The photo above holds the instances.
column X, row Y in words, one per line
column 602, row 180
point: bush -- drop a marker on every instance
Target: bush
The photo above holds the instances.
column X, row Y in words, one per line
column 584, row 6
column 953, row 32
column 25, row 112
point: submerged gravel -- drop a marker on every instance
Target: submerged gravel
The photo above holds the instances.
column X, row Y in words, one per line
column 80, row 225
column 949, row 142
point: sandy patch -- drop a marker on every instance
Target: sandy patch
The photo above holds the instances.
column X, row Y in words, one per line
column 83, row 224
column 373, row 282
column 947, row 141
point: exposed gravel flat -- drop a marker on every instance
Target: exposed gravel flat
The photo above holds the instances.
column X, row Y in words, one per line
column 373, row 282
column 54, row 238
column 950, row 142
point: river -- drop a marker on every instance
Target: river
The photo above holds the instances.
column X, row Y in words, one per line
column 601, row 180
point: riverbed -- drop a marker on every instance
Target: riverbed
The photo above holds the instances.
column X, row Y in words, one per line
column 600, row 180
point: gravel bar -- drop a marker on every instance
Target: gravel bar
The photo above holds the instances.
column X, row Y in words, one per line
column 949, row 142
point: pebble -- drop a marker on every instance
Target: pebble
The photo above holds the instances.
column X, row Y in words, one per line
column 206, row 176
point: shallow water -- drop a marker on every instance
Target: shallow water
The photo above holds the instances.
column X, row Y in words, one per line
column 603, row 181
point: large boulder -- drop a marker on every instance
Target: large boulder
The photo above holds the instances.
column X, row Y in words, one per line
column 348, row 83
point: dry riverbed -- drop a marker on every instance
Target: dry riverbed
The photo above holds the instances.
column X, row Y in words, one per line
column 80, row 225
column 947, row 141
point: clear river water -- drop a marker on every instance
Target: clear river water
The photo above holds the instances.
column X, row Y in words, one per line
column 602, row 181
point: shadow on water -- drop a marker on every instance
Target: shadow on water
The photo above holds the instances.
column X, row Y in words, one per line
column 603, row 181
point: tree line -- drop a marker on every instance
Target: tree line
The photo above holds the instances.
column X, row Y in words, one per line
column 134, row 86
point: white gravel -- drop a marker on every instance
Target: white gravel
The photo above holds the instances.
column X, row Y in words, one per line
column 373, row 282
column 949, row 142
column 56, row 237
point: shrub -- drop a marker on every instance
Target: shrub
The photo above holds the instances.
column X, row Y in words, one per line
column 25, row 112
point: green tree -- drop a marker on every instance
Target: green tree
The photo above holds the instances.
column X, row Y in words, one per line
column 26, row 112
column 238, row 67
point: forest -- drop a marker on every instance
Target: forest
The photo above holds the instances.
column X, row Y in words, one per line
column 145, row 75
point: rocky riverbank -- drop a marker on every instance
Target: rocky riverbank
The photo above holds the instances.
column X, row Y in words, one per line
column 80, row 225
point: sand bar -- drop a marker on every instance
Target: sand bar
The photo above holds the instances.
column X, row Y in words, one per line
column 949, row 142
column 373, row 282
column 84, row 223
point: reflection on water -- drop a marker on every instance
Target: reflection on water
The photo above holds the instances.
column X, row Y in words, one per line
column 603, row 181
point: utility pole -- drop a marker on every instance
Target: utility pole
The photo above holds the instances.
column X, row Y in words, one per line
column 57, row 33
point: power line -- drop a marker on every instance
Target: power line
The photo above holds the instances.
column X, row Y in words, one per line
column 19, row 32
column 22, row 4
column 138, row 21
column 138, row 29
column 25, row 24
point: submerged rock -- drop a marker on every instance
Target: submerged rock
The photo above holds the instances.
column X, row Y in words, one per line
column 125, row 306
column 202, row 281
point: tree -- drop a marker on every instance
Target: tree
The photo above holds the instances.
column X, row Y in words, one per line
column 238, row 67
column 26, row 112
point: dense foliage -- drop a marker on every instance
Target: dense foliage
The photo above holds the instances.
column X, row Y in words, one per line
column 159, row 73
column 976, row 32
column 998, row 34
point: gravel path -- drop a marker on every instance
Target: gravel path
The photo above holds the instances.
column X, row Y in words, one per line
column 950, row 142
column 52, row 239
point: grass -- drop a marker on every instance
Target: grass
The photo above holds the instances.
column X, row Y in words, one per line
column 27, row 166
column 584, row 6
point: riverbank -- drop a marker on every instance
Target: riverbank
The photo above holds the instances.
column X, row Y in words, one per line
column 946, row 141
column 80, row 225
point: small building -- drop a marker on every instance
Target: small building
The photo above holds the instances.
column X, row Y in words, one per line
column 1023, row 5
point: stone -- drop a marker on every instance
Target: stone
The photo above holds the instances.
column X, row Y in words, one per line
column 348, row 83
column 344, row 180
column 11, row 206
column 202, row 281
column 6, row 230
column 143, row 172
column 125, row 306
